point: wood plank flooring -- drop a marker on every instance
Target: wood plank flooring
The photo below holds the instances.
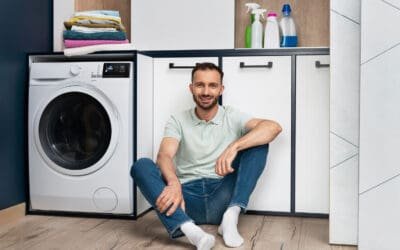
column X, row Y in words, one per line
column 260, row 232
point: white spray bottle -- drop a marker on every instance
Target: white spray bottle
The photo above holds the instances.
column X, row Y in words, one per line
column 257, row 29
column 247, row 35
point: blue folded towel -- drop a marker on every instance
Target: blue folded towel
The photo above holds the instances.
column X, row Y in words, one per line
column 75, row 35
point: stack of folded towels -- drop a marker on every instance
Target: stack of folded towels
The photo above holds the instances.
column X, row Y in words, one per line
column 94, row 27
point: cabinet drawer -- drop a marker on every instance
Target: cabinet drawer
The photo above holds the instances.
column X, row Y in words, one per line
column 261, row 86
column 171, row 90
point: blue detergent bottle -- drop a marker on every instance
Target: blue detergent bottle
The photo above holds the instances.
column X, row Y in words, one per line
column 287, row 28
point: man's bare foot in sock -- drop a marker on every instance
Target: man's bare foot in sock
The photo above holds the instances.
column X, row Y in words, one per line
column 196, row 236
column 228, row 228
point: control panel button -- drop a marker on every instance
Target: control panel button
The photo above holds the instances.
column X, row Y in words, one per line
column 75, row 70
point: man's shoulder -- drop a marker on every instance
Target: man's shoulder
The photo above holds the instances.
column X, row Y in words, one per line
column 182, row 116
column 235, row 114
column 231, row 110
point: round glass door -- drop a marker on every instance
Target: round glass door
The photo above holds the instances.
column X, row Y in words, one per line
column 74, row 131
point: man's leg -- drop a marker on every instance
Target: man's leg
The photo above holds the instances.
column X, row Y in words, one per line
column 147, row 177
column 248, row 166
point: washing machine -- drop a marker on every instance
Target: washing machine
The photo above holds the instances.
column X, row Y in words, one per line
column 81, row 136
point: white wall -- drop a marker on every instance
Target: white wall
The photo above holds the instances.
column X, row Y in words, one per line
column 344, row 120
column 379, row 189
column 62, row 11
column 178, row 24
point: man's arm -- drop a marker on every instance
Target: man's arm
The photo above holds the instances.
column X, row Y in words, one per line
column 260, row 132
column 172, row 193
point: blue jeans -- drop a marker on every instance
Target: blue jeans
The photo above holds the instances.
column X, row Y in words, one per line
column 206, row 199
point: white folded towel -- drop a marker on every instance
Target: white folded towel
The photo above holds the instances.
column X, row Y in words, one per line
column 94, row 48
column 91, row 30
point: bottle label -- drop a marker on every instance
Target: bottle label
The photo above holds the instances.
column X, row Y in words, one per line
column 289, row 41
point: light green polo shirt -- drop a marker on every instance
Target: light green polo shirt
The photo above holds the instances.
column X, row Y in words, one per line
column 201, row 142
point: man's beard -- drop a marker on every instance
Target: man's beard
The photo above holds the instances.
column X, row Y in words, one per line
column 207, row 106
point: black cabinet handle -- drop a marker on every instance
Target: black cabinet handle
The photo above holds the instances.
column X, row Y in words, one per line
column 172, row 66
column 268, row 65
column 318, row 64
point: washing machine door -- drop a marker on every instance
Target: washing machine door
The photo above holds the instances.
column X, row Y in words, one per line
column 76, row 130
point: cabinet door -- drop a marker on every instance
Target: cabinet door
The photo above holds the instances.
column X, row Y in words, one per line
column 265, row 93
column 171, row 91
column 312, row 134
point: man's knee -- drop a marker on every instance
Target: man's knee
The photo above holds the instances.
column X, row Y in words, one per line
column 256, row 155
column 141, row 167
column 261, row 149
column 264, row 148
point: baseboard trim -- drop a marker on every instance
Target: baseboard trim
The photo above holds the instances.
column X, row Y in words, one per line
column 12, row 214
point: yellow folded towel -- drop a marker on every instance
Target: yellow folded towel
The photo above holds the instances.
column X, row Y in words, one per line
column 93, row 19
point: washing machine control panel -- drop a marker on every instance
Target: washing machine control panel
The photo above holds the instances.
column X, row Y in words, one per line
column 115, row 70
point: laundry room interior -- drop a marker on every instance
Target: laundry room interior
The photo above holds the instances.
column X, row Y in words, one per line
column 89, row 89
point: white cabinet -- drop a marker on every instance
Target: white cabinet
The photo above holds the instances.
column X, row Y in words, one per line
column 177, row 24
column 265, row 92
column 312, row 134
column 172, row 77
column 263, row 86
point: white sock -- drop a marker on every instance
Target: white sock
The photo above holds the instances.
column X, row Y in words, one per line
column 196, row 236
column 228, row 228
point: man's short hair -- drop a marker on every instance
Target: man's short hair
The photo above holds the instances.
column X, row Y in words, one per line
column 207, row 66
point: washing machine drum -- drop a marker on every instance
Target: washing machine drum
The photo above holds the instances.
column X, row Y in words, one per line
column 74, row 131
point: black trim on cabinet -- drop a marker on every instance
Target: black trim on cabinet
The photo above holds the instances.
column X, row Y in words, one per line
column 293, row 138
column 273, row 213
column 82, row 214
column 89, row 215
column 311, row 215
column 220, row 64
column 117, row 55
column 134, row 120
column 236, row 52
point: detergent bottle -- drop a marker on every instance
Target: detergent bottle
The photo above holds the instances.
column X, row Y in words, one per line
column 288, row 28
column 247, row 36
column 271, row 34
column 257, row 29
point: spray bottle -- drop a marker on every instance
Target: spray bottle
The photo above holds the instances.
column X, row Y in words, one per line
column 247, row 35
column 257, row 29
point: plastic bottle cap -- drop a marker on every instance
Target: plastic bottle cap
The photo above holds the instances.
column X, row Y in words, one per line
column 272, row 14
column 286, row 9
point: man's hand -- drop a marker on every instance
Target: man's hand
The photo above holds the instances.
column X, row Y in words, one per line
column 224, row 161
column 171, row 197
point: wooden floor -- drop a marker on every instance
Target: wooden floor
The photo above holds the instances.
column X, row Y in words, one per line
column 260, row 232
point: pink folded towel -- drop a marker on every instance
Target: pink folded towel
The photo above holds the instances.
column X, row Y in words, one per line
column 81, row 43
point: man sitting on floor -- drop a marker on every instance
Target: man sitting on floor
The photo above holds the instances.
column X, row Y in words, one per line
column 208, row 164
